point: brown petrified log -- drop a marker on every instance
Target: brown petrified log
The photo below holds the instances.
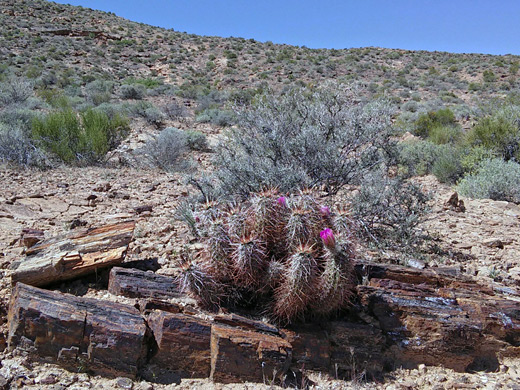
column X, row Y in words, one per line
column 104, row 338
column 73, row 255
column 440, row 319
column 134, row 283
column 182, row 345
column 239, row 355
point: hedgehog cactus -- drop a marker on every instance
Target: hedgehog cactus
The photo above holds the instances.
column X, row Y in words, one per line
column 289, row 254
column 298, row 286
column 249, row 261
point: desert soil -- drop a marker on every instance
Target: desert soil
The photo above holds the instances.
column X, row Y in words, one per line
column 483, row 242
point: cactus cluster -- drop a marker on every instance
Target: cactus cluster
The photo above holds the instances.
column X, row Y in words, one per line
column 287, row 256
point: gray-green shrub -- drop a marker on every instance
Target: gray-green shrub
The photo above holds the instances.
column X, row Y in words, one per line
column 168, row 150
column 494, row 179
column 306, row 137
column 15, row 90
column 16, row 146
column 134, row 91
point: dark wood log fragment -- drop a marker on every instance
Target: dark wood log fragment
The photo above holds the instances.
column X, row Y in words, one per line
column 73, row 255
column 239, row 355
column 183, row 345
column 134, row 283
column 463, row 326
column 103, row 338
column 310, row 347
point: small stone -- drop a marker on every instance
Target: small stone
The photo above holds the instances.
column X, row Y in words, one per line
column 124, row 383
column 102, row 187
column 4, row 382
column 422, row 368
column 493, row 243
column 49, row 379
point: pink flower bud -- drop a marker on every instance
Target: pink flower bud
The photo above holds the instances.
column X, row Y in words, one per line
column 282, row 201
column 197, row 219
column 327, row 236
column 325, row 211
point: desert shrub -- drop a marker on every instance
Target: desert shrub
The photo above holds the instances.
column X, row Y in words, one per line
column 154, row 116
column 388, row 211
column 134, row 91
column 441, row 135
column 426, row 122
column 291, row 257
column 499, row 132
column 147, row 82
column 20, row 117
column 216, row 116
column 417, row 157
column 79, row 137
column 494, row 179
column 306, row 137
column 196, row 140
column 176, row 110
column 16, row 146
column 447, row 166
column 168, row 150
column 15, row 90
column 148, row 111
column 473, row 156
column 99, row 91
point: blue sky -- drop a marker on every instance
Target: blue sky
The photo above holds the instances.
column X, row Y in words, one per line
column 461, row 26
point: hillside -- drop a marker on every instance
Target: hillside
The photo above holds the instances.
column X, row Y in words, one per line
column 104, row 120
column 71, row 45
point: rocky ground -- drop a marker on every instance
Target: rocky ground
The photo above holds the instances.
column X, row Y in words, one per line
column 483, row 241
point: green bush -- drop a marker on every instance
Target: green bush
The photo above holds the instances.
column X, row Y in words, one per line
column 417, row 157
column 196, row 140
column 426, row 122
column 499, row 132
column 99, row 91
column 79, row 137
column 473, row 156
column 447, row 166
column 494, row 179
column 442, row 135
column 424, row 157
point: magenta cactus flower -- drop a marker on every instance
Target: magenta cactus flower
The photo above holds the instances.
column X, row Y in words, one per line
column 325, row 211
column 327, row 236
column 282, row 201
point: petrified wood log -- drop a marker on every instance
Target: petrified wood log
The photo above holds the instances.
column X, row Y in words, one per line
column 134, row 283
column 239, row 355
column 73, row 255
column 183, row 345
column 82, row 334
column 431, row 318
